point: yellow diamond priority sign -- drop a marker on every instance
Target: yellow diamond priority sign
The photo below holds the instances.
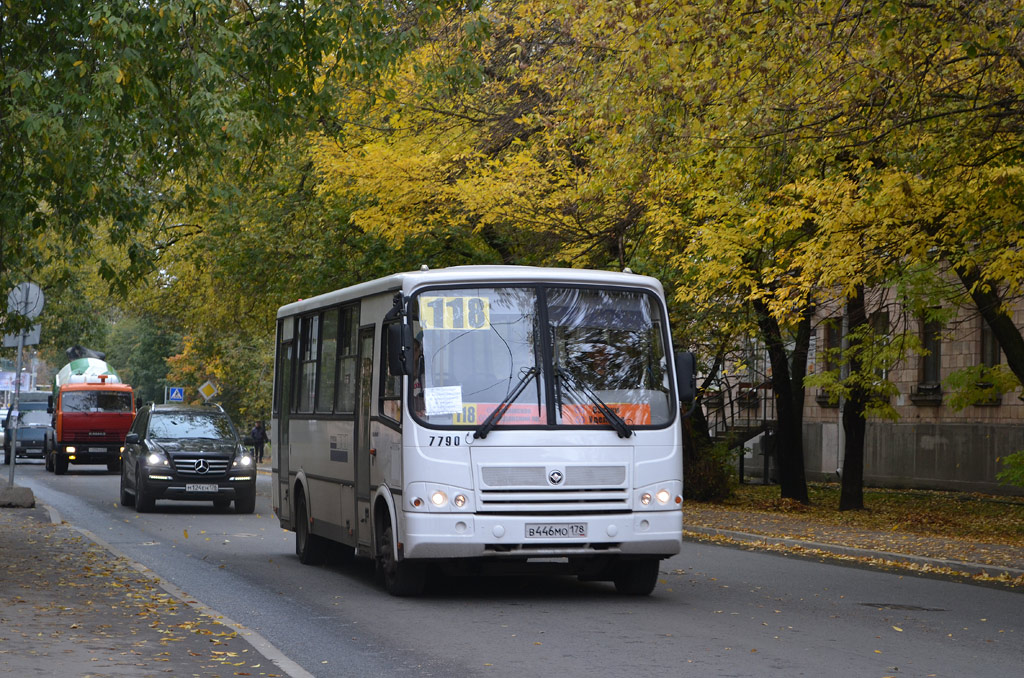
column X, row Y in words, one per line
column 208, row 390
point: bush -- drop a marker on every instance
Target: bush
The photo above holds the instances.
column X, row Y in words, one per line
column 1012, row 472
column 710, row 474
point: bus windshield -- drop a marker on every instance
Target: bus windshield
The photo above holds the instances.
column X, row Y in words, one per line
column 96, row 401
column 555, row 356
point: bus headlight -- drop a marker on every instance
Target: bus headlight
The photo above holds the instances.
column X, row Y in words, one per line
column 437, row 498
column 660, row 497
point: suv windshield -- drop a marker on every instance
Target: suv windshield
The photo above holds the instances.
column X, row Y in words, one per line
column 186, row 425
column 550, row 355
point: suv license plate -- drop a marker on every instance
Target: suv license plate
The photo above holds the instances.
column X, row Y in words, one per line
column 200, row 487
column 556, row 530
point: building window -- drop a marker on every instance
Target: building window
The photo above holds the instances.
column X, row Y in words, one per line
column 879, row 321
column 991, row 355
column 832, row 345
column 929, row 386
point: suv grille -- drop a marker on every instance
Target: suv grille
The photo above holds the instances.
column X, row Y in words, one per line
column 186, row 466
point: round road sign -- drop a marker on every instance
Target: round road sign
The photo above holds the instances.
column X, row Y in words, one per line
column 26, row 299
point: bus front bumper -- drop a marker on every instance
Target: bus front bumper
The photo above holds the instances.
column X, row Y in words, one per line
column 447, row 535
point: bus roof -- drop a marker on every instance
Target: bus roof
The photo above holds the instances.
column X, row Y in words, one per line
column 410, row 280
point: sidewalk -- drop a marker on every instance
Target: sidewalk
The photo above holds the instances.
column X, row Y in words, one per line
column 70, row 607
column 976, row 561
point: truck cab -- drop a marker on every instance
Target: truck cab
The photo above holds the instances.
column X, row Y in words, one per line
column 90, row 420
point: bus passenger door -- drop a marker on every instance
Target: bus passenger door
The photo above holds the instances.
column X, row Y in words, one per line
column 281, row 451
column 364, row 446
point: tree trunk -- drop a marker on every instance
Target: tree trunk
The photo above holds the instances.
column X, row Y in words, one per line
column 789, row 441
column 989, row 305
column 851, row 496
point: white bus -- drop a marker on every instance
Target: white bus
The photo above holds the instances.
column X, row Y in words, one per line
column 483, row 419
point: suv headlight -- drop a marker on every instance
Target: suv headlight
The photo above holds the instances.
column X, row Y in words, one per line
column 243, row 459
column 156, row 457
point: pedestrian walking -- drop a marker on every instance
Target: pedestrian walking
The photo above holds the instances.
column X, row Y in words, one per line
column 259, row 439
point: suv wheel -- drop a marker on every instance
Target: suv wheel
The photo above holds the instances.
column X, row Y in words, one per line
column 144, row 501
column 127, row 499
column 245, row 502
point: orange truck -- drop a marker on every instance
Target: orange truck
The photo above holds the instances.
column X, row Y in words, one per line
column 92, row 412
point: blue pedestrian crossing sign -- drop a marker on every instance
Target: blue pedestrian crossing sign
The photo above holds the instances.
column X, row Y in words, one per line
column 176, row 394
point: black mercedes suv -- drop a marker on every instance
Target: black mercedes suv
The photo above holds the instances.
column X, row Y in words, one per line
column 186, row 452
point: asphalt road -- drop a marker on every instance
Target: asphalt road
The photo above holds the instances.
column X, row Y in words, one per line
column 718, row 611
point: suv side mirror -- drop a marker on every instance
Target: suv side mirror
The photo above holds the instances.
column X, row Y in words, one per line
column 131, row 439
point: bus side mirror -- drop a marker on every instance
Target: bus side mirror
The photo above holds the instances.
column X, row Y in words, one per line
column 686, row 377
column 399, row 349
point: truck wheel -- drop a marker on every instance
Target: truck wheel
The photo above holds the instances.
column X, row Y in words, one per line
column 48, row 455
column 401, row 577
column 60, row 465
column 310, row 548
column 636, row 577
column 144, row 502
column 127, row 499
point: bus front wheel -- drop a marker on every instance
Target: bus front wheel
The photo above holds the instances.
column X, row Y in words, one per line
column 310, row 548
column 636, row 577
column 401, row 577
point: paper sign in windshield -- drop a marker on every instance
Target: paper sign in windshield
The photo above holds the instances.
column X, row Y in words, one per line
column 634, row 414
column 442, row 400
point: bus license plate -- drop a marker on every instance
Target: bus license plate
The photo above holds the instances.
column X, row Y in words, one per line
column 555, row 530
column 200, row 487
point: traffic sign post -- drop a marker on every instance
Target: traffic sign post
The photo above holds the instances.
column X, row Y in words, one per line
column 208, row 390
column 25, row 300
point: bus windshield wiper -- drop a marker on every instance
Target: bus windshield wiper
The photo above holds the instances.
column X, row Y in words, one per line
column 578, row 388
column 503, row 406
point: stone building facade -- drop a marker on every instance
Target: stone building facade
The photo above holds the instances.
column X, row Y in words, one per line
column 931, row 445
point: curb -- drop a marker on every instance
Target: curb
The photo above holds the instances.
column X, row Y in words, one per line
column 974, row 569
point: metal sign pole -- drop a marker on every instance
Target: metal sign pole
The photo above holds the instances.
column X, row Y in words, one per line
column 26, row 299
column 14, row 408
